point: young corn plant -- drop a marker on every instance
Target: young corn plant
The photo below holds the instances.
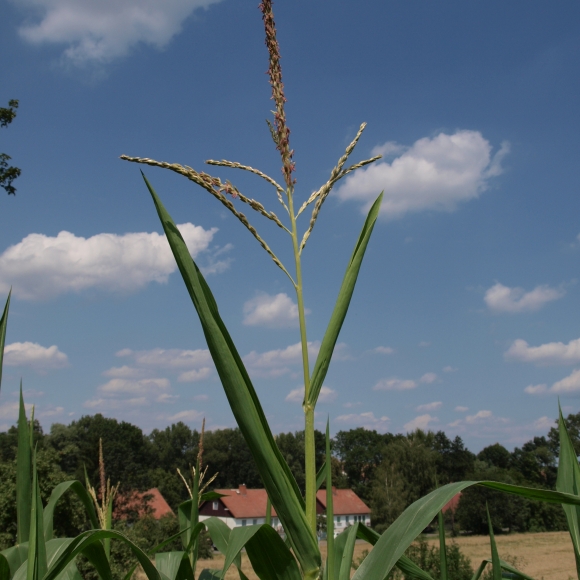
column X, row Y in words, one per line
column 300, row 557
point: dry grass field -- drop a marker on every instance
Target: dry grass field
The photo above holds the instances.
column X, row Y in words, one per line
column 545, row 556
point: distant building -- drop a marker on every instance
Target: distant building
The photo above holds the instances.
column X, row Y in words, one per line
column 246, row 507
column 141, row 503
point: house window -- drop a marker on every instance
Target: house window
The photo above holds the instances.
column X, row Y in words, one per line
column 214, row 505
column 274, row 522
column 347, row 520
column 338, row 519
column 243, row 522
column 254, row 521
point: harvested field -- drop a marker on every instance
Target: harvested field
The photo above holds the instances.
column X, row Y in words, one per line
column 544, row 556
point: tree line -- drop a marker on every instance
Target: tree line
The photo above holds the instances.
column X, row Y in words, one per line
column 388, row 471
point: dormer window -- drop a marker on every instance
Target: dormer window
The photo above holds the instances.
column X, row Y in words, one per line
column 215, row 505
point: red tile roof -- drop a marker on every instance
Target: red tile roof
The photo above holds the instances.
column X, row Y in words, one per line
column 452, row 503
column 156, row 504
column 344, row 502
column 251, row 503
column 245, row 503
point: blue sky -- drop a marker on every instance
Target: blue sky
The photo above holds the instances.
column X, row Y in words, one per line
column 465, row 316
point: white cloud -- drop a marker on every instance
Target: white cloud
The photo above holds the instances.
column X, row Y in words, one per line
column 194, row 375
column 420, row 422
column 173, row 358
column 478, row 417
column 500, row 298
column 395, row 385
column 102, row 404
column 461, row 409
column 569, row 385
column 124, row 372
column 536, row 389
column 543, row 423
column 99, row 31
column 31, row 354
column 383, row 350
column 187, row 416
column 275, row 363
column 449, row 369
column 428, row 407
column 549, row 353
column 42, row 267
column 134, row 387
column 424, row 344
column 434, row 173
column 366, row 420
column 327, row 395
column 278, row 311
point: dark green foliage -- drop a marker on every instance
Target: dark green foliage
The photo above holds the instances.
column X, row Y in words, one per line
column 8, row 173
column 127, row 451
column 454, row 460
column 361, row 452
column 495, row 455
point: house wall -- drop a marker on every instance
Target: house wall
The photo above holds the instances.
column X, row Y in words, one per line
column 239, row 522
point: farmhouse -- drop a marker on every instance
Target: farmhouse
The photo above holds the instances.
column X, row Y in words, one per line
column 246, row 507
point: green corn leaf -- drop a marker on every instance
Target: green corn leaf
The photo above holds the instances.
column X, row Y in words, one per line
column 4, row 568
column 82, row 544
column 508, row 571
column 442, row 548
column 97, row 556
column 15, row 556
column 23, row 475
column 220, row 532
column 3, row 323
column 342, row 304
column 174, row 565
column 331, row 570
column 393, row 543
column 495, row 563
column 57, row 493
column 270, row 557
column 274, row 471
column 187, row 530
column 321, row 476
column 37, row 560
column 568, row 481
column 239, row 537
column 347, row 550
column 405, row 564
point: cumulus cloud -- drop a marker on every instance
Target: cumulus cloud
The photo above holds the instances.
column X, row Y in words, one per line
column 327, row 395
column 479, row 416
column 449, row 369
column 569, row 385
column 420, row 422
column 278, row 311
column 434, row 173
column 194, row 375
column 124, row 372
column 42, row 267
column 383, row 350
column 460, row 409
column 31, row 354
column 549, row 353
column 366, row 420
column 428, row 407
column 396, row 384
column 172, row 358
column 500, row 298
column 278, row 362
column 134, row 387
column 189, row 415
column 99, row 31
